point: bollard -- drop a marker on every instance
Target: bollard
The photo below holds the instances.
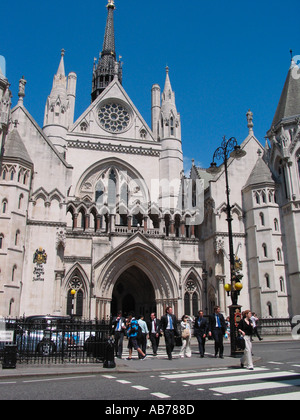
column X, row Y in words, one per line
column 109, row 354
column 9, row 357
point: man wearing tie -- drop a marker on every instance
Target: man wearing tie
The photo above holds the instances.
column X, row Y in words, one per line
column 168, row 325
column 217, row 329
column 200, row 332
column 154, row 330
column 118, row 330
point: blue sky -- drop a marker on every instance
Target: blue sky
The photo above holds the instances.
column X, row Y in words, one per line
column 224, row 58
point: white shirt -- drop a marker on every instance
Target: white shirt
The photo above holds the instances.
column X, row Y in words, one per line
column 143, row 326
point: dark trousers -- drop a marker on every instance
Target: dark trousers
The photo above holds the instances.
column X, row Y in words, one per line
column 119, row 336
column 201, row 343
column 217, row 334
column 257, row 333
column 155, row 342
column 143, row 343
column 170, row 342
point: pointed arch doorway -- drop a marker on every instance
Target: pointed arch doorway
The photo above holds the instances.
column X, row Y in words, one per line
column 133, row 291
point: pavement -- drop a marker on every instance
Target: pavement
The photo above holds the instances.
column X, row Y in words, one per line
column 150, row 364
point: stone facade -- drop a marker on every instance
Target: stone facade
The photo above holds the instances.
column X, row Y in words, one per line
column 95, row 205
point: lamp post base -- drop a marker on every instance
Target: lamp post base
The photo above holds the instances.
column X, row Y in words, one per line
column 235, row 317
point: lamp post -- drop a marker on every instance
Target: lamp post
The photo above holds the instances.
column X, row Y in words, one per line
column 73, row 293
column 230, row 148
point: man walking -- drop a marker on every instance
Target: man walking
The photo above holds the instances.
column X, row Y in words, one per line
column 217, row 329
column 168, row 325
column 200, row 332
column 118, row 331
column 154, row 332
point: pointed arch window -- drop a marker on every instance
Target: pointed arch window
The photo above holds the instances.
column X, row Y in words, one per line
column 270, row 309
column 265, row 250
column 112, row 189
column 100, row 193
column 262, row 219
column 75, row 302
column 20, row 201
column 279, row 254
column 172, row 129
column 268, row 284
column 17, row 236
column 4, row 206
column 282, row 284
column 13, row 273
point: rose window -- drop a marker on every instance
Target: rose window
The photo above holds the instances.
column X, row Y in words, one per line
column 113, row 117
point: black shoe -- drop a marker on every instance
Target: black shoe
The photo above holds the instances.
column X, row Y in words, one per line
column 222, row 357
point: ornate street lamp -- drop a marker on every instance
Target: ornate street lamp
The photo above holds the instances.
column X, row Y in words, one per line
column 73, row 293
column 230, row 148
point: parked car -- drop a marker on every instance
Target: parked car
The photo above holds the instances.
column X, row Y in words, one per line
column 42, row 334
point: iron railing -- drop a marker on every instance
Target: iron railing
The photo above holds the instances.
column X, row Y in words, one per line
column 45, row 340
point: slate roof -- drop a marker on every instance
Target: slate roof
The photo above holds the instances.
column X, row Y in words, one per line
column 14, row 147
column 260, row 174
column 289, row 103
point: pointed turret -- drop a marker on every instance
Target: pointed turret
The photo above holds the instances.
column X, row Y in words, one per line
column 59, row 110
column 171, row 157
column 289, row 104
column 284, row 136
column 170, row 119
column 108, row 67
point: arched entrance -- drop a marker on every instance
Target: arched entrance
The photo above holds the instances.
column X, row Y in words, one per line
column 133, row 291
column 139, row 272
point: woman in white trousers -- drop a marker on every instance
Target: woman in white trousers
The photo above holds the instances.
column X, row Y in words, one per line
column 186, row 333
column 246, row 329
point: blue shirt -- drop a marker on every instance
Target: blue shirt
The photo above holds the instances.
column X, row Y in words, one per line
column 133, row 330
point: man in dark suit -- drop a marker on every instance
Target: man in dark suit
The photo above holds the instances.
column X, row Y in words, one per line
column 201, row 331
column 154, row 332
column 168, row 324
column 118, row 329
column 217, row 329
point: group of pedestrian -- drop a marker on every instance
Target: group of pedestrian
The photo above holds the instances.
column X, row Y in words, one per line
column 214, row 327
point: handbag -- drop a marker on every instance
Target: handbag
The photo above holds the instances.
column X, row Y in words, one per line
column 241, row 344
column 185, row 333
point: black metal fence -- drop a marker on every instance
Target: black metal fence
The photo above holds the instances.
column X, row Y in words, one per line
column 44, row 340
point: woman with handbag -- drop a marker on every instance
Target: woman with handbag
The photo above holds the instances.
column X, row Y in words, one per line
column 246, row 329
column 186, row 334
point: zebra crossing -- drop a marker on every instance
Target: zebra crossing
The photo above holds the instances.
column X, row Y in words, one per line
column 241, row 383
column 161, row 353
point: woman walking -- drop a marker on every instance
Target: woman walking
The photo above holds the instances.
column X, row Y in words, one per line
column 186, row 334
column 246, row 329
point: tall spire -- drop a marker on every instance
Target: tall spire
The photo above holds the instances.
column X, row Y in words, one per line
column 289, row 104
column 108, row 68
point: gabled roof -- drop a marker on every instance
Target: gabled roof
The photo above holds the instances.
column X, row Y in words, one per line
column 14, row 147
column 289, row 103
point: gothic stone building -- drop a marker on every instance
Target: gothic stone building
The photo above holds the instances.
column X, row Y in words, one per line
column 95, row 205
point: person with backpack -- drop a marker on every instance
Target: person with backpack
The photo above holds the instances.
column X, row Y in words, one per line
column 133, row 332
column 143, row 334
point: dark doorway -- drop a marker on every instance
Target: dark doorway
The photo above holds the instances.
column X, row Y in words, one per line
column 133, row 291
